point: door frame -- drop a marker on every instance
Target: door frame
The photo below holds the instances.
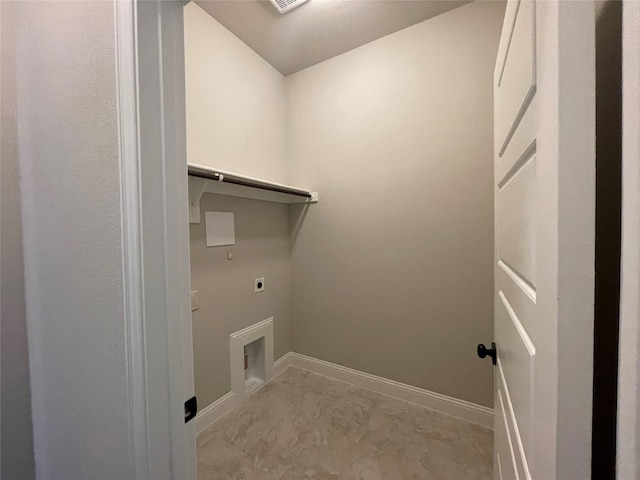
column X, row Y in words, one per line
column 628, row 463
column 149, row 41
column 155, row 241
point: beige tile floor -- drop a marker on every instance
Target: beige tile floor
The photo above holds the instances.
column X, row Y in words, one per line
column 306, row 426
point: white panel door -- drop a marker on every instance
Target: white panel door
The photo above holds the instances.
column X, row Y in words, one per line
column 544, row 105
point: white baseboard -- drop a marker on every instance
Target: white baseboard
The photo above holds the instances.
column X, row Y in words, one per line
column 225, row 404
column 218, row 409
column 282, row 363
column 462, row 409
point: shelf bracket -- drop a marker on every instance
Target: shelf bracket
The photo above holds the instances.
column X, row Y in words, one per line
column 196, row 189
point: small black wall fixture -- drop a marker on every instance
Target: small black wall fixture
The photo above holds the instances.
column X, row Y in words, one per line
column 484, row 351
column 190, row 409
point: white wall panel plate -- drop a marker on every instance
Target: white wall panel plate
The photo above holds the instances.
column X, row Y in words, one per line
column 237, row 342
column 220, row 228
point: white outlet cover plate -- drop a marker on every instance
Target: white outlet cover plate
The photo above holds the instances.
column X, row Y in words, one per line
column 257, row 289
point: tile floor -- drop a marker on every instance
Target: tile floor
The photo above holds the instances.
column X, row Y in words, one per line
column 307, row 426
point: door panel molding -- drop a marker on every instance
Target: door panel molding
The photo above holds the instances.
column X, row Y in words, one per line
column 510, row 15
column 516, row 447
column 517, row 227
column 527, row 287
column 504, row 424
column 518, row 367
column 516, row 76
column 522, row 144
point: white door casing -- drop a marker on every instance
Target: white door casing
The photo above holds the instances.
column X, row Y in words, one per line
column 544, row 104
column 160, row 48
column 151, row 104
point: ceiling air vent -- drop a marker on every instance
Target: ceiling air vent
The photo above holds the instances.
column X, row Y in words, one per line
column 283, row 6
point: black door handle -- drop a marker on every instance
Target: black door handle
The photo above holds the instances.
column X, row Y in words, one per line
column 484, row 351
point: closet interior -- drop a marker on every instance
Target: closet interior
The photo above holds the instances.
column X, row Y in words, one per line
column 341, row 230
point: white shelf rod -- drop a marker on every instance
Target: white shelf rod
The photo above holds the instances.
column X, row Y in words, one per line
column 228, row 177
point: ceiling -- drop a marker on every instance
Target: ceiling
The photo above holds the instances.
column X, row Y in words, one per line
column 319, row 29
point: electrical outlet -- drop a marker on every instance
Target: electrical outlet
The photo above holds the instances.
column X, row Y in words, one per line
column 258, row 285
column 195, row 300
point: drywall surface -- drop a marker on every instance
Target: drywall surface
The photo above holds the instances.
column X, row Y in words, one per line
column 235, row 102
column 69, row 168
column 16, row 440
column 322, row 29
column 226, row 287
column 392, row 270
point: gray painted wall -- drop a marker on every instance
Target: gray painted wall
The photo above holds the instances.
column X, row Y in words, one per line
column 226, row 287
column 392, row 271
column 16, row 440
column 72, row 239
column 235, row 101
column 236, row 120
